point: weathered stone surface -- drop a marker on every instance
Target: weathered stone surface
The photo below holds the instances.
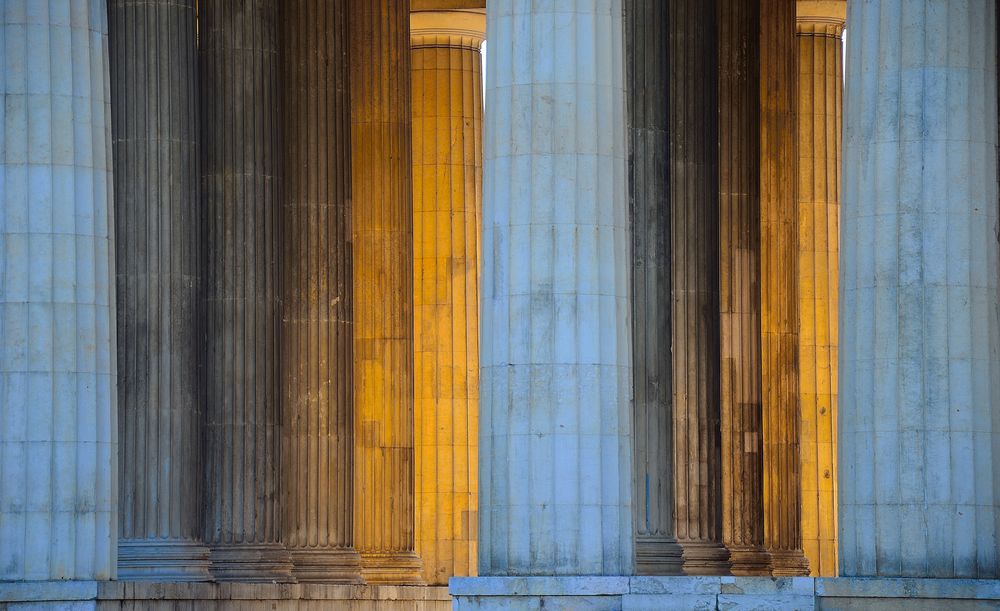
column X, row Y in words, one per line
column 159, row 280
column 317, row 306
column 556, row 354
column 238, row 70
column 447, row 206
column 820, row 97
column 58, row 420
column 920, row 278
column 648, row 73
column 739, row 281
column 779, row 276
column 382, row 218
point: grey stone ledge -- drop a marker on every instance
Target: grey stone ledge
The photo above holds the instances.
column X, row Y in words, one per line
column 907, row 587
column 46, row 591
column 539, row 586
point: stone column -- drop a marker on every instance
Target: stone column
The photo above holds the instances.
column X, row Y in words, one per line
column 58, row 421
column 692, row 108
column 555, row 441
column 648, row 73
column 739, row 251
column 382, row 220
column 158, row 237
column 779, row 304
column 240, row 156
column 317, row 315
column 819, row 27
column 920, row 278
column 447, row 202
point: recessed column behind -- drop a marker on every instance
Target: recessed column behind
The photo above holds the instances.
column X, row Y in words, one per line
column 160, row 301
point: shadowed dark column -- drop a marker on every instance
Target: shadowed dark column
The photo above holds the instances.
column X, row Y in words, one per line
column 739, row 176
column 158, row 235
column 656, row 549
column 317, row 322
column 239, row 113
column 694, row 230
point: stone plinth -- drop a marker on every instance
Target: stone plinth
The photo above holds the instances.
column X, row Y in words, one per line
column 820, row 93
column 160, row 596
column 721, row 593
column 58, row 408
column 447, row 205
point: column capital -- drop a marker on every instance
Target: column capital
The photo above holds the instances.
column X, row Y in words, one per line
column 820, row 17
column 448, row 28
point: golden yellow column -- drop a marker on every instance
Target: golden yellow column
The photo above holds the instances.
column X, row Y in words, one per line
column 820, row 26
column 447, row 198
column 382, row 217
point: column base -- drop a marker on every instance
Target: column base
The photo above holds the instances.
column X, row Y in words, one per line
column 252, row 563
column 749, row 560
column 395, row 568
column 789, row 563
column 163, row 560
column 658, row 556
column 705, row 558
column 325, row 565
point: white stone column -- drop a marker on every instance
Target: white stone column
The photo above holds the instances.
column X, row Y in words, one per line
column 920, row 335
column 555, row 437
column 58, row 429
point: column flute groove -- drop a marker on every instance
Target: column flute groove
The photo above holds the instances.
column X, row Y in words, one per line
column 447, row 199
column 238, row 73
column 382, row 217
column 160, row 300
column 318, row 314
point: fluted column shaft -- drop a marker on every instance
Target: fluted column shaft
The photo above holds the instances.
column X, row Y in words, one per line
column 779, row 304
column 240, row 157
column 317, row 309
column 819, row 27
column 447, row 202
column 739, row 251
column 382, row 220
column 158, row 237
column 555, row 436
column 58, row 420
column 920, row 279
column 648, row 73
column 694, row 262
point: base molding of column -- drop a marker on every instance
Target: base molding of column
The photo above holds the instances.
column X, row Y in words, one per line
column 658, row 556
column 704, row 558
column 325, row 565
column 252, row 563
column 395, row 568
column 749, row 560
column 163, row 560
column 789, row 563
